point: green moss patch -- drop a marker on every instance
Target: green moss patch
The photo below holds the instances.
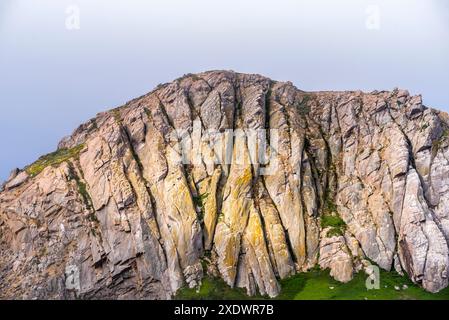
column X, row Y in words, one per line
column 331, row 219
column 199, row 202
column 53, row 159
column 116, row 114
column 334, row 222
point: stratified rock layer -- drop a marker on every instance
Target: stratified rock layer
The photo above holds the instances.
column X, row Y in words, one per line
column 359, row 177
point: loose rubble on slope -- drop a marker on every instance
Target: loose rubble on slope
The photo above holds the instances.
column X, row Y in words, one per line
column 357, row 177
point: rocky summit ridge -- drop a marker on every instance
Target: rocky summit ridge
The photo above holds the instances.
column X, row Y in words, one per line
column 122, row 211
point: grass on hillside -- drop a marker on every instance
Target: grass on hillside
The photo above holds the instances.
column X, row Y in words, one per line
column 52, row 159
column 319, row 285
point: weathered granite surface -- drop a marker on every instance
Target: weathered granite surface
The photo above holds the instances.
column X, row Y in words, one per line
column 125, row 219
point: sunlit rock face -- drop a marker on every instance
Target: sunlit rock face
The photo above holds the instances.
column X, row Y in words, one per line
column 236, row 176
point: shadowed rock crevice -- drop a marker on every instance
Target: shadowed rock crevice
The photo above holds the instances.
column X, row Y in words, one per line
column 154, row 195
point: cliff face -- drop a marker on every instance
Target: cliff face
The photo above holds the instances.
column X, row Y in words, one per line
column 154, row 195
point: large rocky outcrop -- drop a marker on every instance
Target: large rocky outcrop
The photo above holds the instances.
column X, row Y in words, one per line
column 122, row 210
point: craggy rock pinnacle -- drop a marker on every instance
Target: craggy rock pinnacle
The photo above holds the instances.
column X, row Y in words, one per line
column 117, row 212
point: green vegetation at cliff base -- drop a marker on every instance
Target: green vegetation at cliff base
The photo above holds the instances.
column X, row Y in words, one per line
column 319, row 285
column 213, row 289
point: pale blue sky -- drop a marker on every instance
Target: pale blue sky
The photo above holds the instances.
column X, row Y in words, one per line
column 52, row 79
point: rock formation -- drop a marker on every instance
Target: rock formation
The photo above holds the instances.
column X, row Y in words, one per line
column 122, row 211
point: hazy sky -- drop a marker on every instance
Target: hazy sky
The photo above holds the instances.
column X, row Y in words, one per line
column 53, row 78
